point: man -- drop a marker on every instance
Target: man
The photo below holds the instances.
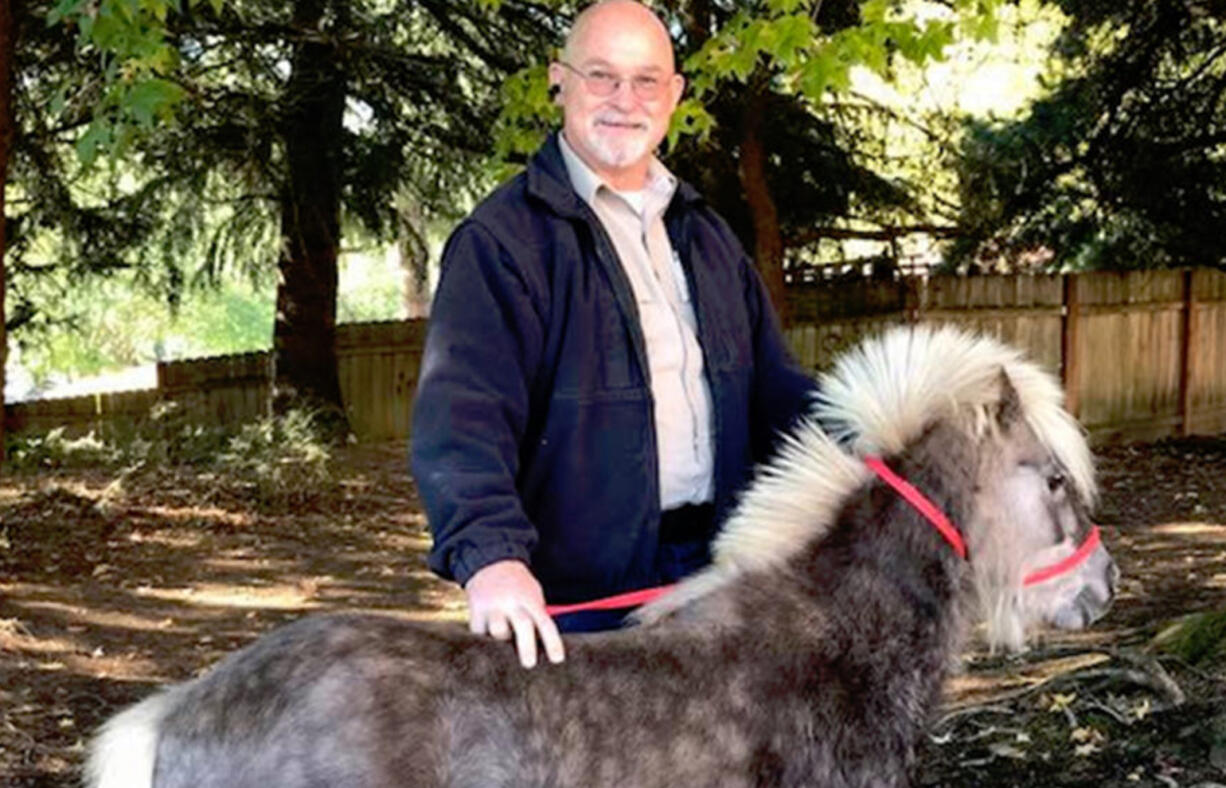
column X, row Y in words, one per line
column 602, row 366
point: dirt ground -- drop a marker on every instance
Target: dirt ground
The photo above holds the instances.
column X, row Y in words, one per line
column 108, row 589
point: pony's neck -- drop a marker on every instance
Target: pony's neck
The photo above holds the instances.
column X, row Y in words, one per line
column 885, row 562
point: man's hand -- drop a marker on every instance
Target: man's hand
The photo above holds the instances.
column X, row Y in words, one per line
column 504, row 596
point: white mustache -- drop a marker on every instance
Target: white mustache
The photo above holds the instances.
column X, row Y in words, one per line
column 620, row 120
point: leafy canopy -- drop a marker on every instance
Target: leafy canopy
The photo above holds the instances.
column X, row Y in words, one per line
column 1121, row 165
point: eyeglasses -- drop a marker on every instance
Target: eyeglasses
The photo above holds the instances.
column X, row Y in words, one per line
column 600, row 82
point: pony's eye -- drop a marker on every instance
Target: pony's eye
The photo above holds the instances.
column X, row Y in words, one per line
column 1055, row 482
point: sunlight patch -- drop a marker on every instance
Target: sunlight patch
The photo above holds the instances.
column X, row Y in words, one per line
column 248, row 563
column 196, row 513
column 1215, row 532
column 179, row 539
column 300, row 596
column 977, row 689
column 105, row 618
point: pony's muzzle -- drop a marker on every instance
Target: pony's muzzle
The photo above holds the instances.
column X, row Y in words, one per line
column 1094, row 599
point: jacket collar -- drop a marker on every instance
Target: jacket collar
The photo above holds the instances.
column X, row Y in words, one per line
column 549, row 182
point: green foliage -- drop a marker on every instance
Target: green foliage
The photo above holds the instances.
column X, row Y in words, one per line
column 1120, row 165
column 187, row 102
column 788, row 68
column 1196, row 639
column 371, row 290
column 115, row 324
column 788, row 41
column 692, row 119
column 527, row 113
column 278, row 460
column 802, row 52
column 138, row 64
column 56, row 449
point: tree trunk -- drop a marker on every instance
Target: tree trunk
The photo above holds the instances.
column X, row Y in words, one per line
column 415, row 260
column 768, row 239
column 8, row 36
column 304, row 336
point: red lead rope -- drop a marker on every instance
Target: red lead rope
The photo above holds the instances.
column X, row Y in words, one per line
column 628, row 599
column 914, row 497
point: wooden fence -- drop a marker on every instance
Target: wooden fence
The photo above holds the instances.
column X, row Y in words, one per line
column 1142, row 354
column 377, row 364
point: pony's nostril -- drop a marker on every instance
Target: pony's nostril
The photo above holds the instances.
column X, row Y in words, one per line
column 1089, row 608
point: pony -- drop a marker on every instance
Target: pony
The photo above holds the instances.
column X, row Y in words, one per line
column 812, row 650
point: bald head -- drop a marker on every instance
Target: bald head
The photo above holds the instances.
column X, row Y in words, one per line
column 624, row 16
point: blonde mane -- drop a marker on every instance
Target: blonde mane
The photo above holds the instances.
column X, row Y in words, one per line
column 878, row 398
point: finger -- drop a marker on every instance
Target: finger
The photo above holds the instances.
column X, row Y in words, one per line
column 498, row 626
column 550, row 637
column 476, row 620
column 525, row 638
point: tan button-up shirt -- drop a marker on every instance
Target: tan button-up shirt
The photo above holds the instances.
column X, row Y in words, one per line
column 634, row 222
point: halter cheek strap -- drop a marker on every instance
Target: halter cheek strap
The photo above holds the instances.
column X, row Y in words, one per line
column 921, row 503
column 938, row 519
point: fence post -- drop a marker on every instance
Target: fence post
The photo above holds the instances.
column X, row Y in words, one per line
column 914, row 298
column 1187, row 352
column 1070, row 334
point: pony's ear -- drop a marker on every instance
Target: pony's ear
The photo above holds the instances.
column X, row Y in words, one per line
column 1009, row 409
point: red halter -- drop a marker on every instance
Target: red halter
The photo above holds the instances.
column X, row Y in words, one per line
column 914, row 497
column 942, row 524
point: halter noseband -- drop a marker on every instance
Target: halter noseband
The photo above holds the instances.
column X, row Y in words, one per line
column 938, row 519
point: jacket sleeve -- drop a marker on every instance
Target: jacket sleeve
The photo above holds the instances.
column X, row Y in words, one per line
column 471, row 407
column 782, row 390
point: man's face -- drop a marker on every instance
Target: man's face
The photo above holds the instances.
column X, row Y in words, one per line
column 618, row 132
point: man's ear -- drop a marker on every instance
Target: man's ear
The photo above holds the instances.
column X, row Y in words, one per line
column 555, row 82
column 676, row 88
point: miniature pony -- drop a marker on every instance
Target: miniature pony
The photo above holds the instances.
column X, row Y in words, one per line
column 811, row 652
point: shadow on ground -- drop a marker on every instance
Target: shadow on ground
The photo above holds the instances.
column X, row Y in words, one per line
column 110, row 589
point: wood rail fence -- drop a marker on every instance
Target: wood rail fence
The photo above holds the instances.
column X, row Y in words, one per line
column 1142, row 354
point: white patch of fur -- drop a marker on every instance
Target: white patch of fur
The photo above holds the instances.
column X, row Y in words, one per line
column 1000, row 605
column 797, row 495
column 122, row 754
column 793, row 499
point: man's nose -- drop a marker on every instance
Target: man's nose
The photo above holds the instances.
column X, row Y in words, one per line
column 623, row 94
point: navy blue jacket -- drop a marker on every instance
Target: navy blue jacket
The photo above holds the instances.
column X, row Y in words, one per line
column 532, row 432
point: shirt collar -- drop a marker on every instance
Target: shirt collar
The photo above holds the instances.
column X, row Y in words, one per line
column 660, row 182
